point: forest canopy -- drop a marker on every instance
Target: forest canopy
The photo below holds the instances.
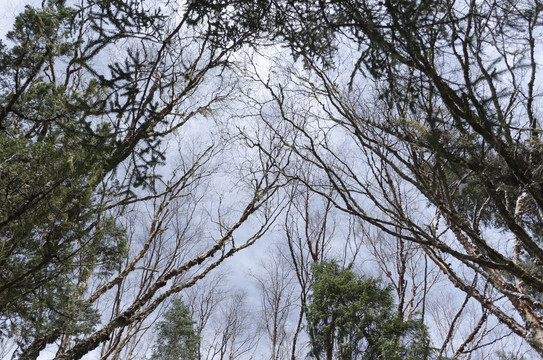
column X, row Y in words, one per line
column 146, row 143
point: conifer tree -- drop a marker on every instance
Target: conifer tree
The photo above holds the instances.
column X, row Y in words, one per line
column 352, row 317
column 88, row 92
column 176, row 338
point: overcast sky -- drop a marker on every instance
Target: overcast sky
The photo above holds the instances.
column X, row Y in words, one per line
column 8, row 10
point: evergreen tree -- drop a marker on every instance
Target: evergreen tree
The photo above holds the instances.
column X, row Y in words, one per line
column 176, row 338
column 70, row 117
column 352, row 317
column 53, row 234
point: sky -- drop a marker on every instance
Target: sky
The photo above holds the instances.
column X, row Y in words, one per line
column 8, row 10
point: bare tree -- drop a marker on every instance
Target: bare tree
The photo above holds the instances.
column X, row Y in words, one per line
column 446, row 202
column 233, row 333
column 276, row 289
column 405, row 267
column 205, row 301
column 135, row 75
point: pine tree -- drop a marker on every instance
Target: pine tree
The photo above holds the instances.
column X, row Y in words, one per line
column 352, row 317
column 59, row 94
column 53, row 234
column 176, row 338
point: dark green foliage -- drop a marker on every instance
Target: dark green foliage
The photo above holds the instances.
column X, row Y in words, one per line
column 56, row 145
column 176, row 338
column 351, row 317
column 231, row 21
column 53, row 234
column 299, row 23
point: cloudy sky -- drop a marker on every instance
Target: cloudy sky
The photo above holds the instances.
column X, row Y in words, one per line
column 8, row 10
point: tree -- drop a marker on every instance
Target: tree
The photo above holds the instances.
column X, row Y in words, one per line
column 235, row 331
column 53, row 232
column 430, row 133
column 176, row 338
column 276, row 290
column 351, row 317
column 308, row 232
column 91, row 91
column 443, row 101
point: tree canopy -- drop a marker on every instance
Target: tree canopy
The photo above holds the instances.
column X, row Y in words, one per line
column 417, row 118
column 439, row 101
column 89, row 91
